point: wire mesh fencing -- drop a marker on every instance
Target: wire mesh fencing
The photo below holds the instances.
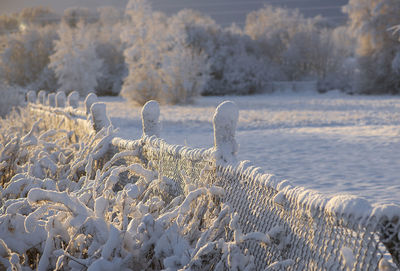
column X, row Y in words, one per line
column 308, row 230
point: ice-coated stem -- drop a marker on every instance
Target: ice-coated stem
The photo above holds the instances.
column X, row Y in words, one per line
column 150, row 116
column 99, row 115
column 60, row 99
column 225, row 121
column 31, row 96
column 90, row 99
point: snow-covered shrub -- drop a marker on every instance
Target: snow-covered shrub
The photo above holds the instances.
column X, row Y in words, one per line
column 184, row 69
column 376, row 46
column 302, row 48
column 339, row 69
column 184, row 73
column 143, row 35
column 235, row 63
column 25, row 57
column 238, row 66
column 10, row 97
column 75, row 61
column 274, row 27
column 109, row 48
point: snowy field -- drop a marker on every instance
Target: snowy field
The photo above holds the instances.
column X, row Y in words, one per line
column 331, row 142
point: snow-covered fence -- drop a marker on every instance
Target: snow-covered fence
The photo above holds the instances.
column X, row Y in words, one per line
column 58, row 111
column 307, row 230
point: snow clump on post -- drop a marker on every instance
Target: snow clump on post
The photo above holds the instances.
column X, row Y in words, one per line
column 150, row 116
column 91, row 98
column 42, row 97
column 31, row 97
column 60, row 99
column 99, row 115
column 51, row 99
column 73, row 99
column 224, row 121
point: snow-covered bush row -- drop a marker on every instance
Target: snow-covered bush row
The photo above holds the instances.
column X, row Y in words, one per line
column 173, row 59
column 39, row 52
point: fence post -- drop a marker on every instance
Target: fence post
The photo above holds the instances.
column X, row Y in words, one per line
column 99, row 116
column 42, row 97
column 60, row 99
column 31, row 96
column 91, row 98
column 73, row 99
column 51, row 99
column 150, row 116
column 224, row 122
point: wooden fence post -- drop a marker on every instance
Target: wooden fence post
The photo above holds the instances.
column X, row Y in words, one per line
column 225, row 121
column 31, row 96
column 150, row 116
column 60, row 99
column 73, row 99
column 91, row 98
column 42, row 97
column 51, row 99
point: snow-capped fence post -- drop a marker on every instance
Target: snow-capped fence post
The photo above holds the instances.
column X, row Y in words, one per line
column 224, row 122
column 60, row 99
column 91, row 98
column 73, row 99
column 150, row 116
column 42, row 97
column 99, row 116
column 51, row 99
column 31, row 96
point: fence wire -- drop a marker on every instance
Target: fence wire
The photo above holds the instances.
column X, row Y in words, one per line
column 302, row 231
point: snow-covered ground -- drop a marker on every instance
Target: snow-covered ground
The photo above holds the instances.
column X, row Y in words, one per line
column 332, row 142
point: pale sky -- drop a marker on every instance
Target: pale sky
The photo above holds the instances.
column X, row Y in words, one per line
column 223, row 11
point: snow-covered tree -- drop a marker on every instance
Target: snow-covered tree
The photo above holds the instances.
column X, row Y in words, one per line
column 109, row 49
column 38, row 16
column 236, row 65
column 184, row 73
column 75, row 61
column 339, row 66
column 377, row 47
column 274, row 27
column 72, row 16
column 25, row 57
column 184, row 69
column 143, row 35
column 8, row 23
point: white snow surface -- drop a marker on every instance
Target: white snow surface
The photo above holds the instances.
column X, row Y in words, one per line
column 333, row 143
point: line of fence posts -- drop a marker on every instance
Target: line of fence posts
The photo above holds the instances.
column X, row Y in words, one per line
column 224, row 120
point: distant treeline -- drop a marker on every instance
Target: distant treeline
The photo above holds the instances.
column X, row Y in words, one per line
column 143, row 54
